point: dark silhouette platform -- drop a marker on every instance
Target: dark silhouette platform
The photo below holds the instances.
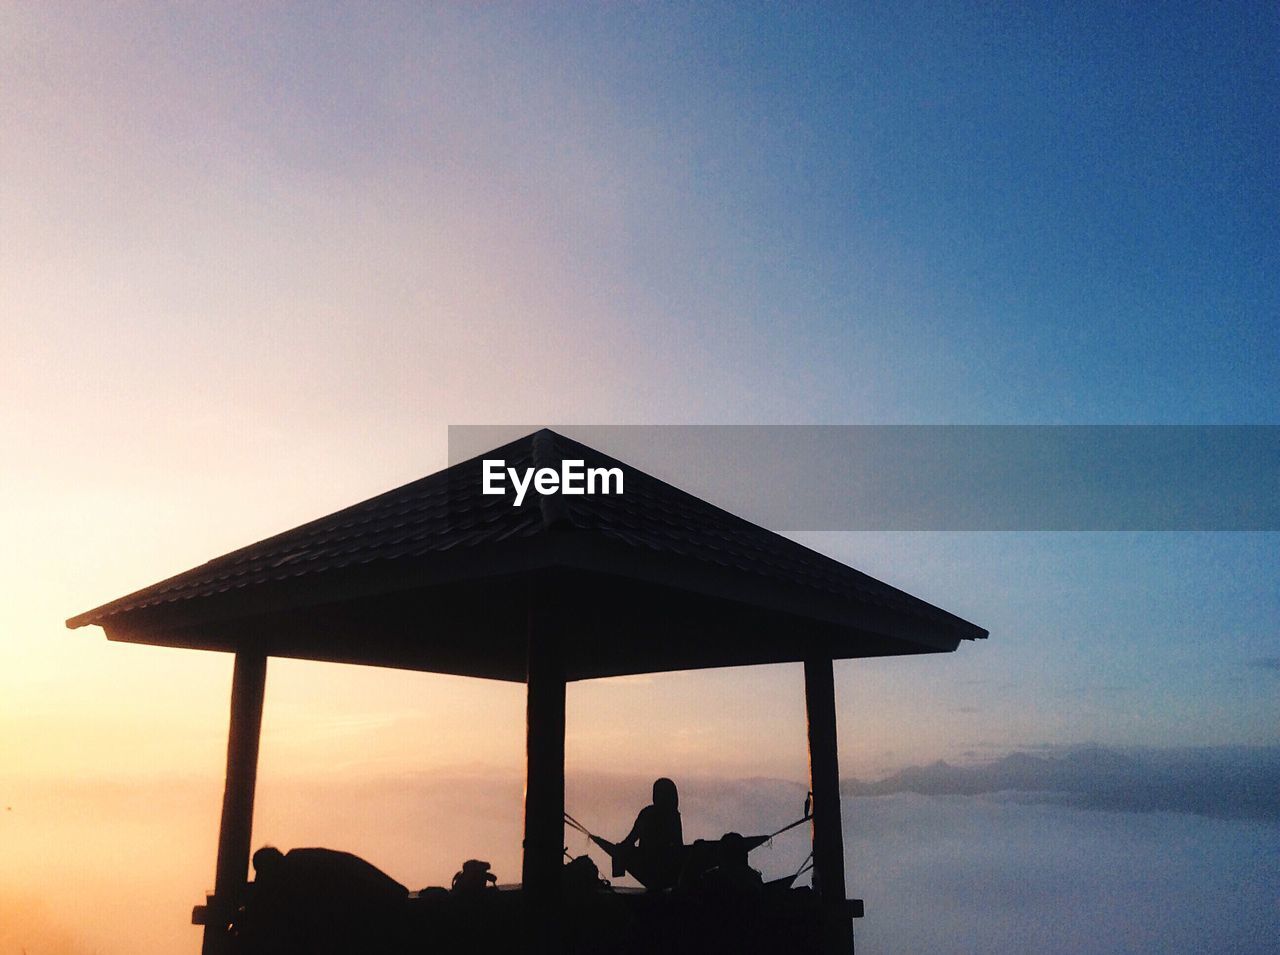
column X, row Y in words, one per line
column 437, row 576
column 612, row 920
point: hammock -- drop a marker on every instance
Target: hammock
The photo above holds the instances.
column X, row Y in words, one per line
column 623, row 860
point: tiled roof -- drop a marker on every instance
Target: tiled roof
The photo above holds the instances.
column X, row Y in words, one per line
column 446, row 512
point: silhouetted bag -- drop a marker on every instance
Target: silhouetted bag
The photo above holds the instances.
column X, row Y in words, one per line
column 581, row 875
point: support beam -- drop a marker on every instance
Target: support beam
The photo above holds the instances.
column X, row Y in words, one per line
column 248, row 686
column 824, row 776
column 544, row 781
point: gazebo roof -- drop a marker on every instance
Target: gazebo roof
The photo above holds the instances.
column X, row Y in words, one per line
column 436, row 576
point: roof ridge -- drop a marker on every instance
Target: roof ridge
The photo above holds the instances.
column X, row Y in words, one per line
column 555, row 514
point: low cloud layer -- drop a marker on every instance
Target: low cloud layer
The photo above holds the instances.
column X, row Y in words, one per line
column 1007, row 857
column 1222, row 782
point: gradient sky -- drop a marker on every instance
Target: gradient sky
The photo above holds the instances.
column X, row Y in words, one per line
column 254, row 261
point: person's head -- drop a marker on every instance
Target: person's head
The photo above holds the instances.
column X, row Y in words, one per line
column 266, row 861
column 665, row 795
column 733, row 849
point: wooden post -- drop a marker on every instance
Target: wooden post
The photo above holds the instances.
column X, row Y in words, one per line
column 824, row 776
column 544, row 781
column 248, row 685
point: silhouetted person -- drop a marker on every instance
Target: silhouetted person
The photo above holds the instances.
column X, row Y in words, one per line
column 653, row 851
column 319, row 900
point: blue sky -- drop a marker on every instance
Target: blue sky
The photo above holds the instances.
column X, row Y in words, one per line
column 1054, row 215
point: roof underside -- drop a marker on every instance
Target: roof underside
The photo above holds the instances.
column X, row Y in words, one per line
column 436, row 576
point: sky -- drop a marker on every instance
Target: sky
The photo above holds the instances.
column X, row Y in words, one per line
column 255, row 260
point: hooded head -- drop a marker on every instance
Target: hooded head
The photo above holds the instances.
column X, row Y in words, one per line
column 665, row 795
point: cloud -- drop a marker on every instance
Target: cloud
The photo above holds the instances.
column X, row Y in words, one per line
column 1226, row 782
column 1023, row 871
column 964, row 874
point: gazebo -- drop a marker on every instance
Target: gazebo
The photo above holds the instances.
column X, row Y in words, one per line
column 440, row 577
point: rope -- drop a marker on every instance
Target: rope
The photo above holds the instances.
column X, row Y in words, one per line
column 791, row 825
column 574, row 824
